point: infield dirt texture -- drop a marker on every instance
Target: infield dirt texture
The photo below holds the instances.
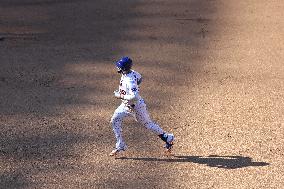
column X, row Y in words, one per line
column 213, row 75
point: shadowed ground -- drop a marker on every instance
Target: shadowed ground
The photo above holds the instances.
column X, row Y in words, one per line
column 226, row 162
column 213, row 75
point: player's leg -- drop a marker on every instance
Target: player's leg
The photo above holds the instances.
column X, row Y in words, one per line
column 143, row 117
column 116, row 121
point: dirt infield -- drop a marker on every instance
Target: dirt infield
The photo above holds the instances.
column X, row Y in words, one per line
column 213, row 75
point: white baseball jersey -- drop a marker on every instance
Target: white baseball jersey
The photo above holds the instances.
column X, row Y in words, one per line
column 129, row 88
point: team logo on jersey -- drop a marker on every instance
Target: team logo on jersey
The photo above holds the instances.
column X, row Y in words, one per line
column 134, row 89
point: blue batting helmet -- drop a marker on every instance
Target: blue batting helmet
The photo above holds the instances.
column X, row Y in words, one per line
column 124, row 64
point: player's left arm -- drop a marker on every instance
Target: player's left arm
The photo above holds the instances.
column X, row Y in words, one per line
column 139, row 81
column 138, row 78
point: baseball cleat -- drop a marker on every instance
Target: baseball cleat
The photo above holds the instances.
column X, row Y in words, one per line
column 169, row 143
column 168, row 138
column 116, row 151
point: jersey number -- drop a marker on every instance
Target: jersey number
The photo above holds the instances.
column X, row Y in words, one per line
column 123, row 92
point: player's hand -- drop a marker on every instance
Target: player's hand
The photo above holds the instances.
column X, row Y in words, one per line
column 117, row 94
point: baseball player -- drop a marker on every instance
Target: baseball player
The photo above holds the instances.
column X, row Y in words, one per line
column 133, row 105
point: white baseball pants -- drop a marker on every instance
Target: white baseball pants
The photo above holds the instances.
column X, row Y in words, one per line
column 140, row 113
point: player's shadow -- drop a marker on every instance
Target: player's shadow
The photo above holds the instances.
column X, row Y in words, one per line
column 225, row 162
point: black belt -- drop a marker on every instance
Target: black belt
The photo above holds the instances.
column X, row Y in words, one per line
column 131, row 106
